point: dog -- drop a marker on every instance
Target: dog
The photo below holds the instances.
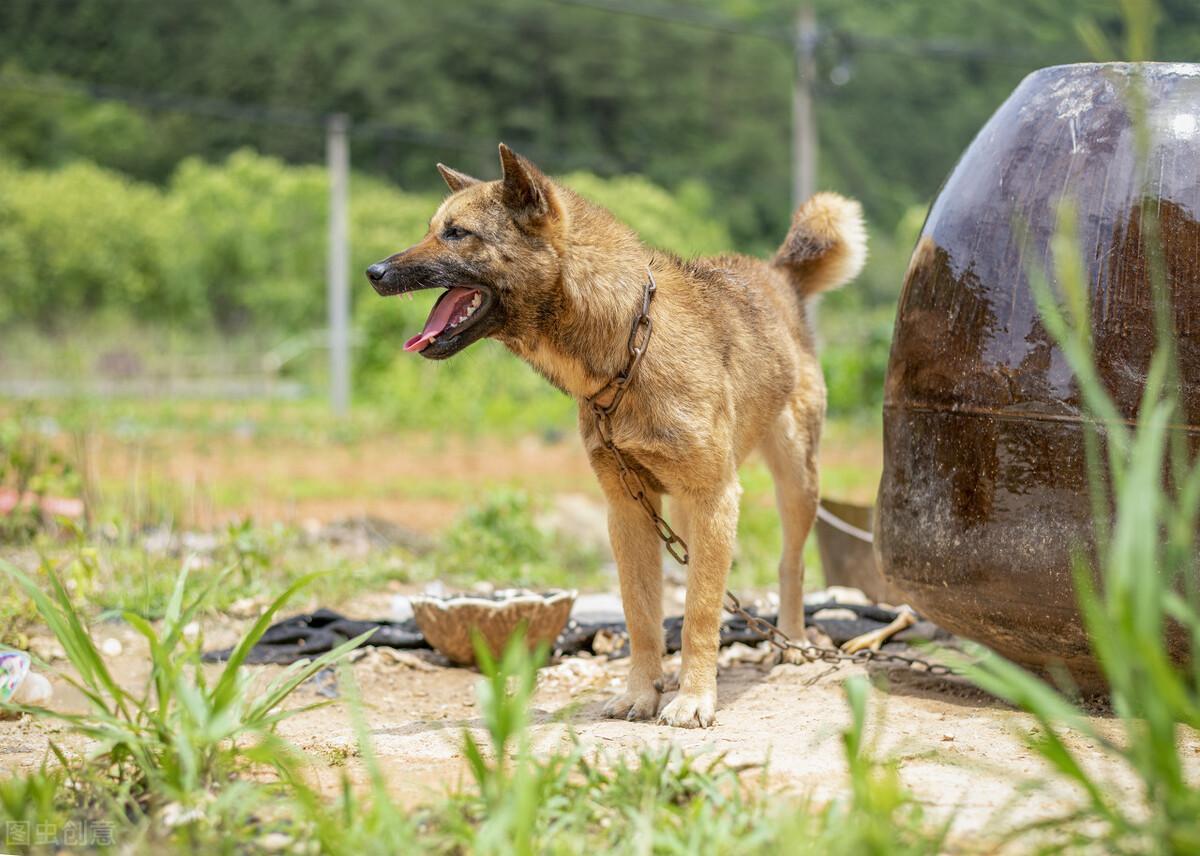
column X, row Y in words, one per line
column 730, row 369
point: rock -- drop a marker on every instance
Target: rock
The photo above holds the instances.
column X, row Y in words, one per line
column 573, row 671
column 111, row 647
column 839, row 594
column 835, row 614
column 245, row 607
column 174, row 815
column 401, row 608
column 364, row 532
column 740, row 652
column 608, row 643
column 46, row 649
column 275, row 842
column 35, row 690
column 202, row 543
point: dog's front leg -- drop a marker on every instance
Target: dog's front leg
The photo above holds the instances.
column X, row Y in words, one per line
column 639, row 564
column 712, row 527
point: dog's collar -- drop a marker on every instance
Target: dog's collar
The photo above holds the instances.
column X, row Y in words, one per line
column 639, row 340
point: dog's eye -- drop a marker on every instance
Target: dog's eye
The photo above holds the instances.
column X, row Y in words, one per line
column 454, row 233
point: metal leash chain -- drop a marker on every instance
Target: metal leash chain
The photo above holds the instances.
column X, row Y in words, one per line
column 639, row 339
column 835, row 656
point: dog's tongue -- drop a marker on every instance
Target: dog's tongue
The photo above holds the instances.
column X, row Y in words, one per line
column 445, row 309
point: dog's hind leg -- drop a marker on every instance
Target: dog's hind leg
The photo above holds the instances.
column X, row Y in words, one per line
column 639, row 565
column 712, row 529
column 790, row 449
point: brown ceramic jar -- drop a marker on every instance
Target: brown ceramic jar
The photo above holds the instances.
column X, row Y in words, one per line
column 984, row 493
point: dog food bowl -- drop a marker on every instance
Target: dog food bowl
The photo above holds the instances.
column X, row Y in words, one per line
column 448, row 623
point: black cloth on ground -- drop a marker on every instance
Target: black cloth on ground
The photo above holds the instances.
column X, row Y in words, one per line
column 314, row 633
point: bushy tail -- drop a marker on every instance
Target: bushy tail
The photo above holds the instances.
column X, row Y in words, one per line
column 826, row 246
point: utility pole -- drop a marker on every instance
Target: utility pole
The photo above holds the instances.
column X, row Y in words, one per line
column 804, row 126
column 337, row 152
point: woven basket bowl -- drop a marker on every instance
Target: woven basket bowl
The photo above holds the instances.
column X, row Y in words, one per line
column 449, row 623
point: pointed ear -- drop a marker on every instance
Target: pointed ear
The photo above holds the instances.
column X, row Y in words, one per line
column 526, row 192
column 454, row 179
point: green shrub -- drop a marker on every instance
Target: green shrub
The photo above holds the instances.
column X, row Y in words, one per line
column 81, row 239
column 682, row 221
column 500, row 536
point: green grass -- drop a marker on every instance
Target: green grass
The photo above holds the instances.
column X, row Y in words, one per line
column 496, row 540
column 193, row 766
column 177, row 747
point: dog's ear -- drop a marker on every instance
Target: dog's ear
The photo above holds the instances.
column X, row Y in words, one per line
column 526, row 192
column 454, row 179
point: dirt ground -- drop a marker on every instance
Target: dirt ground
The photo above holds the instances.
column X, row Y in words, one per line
column 959, row 750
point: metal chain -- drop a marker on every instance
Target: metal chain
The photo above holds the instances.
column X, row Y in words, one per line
column 813, row 653
column 639, row 340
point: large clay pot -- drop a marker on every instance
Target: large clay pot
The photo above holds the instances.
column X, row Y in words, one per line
column 985, row 485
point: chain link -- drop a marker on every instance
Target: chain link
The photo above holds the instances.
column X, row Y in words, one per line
column 639, row 341
column 814, row 653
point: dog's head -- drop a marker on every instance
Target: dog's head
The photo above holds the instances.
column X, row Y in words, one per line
column 492, row 245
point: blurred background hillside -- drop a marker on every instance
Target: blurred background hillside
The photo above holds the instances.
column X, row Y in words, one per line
column 164, row 195
column 161, row 163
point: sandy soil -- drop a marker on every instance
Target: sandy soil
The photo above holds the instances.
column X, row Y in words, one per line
column 959, row 750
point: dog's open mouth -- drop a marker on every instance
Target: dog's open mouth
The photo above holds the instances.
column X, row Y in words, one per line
column 454, row 312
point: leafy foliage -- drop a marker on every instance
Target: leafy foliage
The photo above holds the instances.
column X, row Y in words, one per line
column 31, row 467
column 502, row 532
column 579, row 87
column 181, row 739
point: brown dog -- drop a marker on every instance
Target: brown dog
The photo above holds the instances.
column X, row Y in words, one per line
column 731, row 368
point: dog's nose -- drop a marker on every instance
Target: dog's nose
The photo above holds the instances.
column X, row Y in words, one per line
column 376, row 272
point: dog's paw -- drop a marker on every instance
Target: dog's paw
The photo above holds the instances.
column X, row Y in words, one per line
column 791, row 656
column 633, row 705
column 690, row 711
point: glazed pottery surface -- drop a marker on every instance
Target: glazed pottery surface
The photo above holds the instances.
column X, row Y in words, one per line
column 984, row 495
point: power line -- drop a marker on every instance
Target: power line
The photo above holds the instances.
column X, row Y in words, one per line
column 682, row 15
column 219, row 108
column 947, row 49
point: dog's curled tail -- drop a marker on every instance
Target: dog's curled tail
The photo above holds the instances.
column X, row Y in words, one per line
column 826, row 246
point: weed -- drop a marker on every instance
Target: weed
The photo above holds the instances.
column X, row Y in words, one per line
column 177, row 743
column 500, row 539
column 31, row 468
